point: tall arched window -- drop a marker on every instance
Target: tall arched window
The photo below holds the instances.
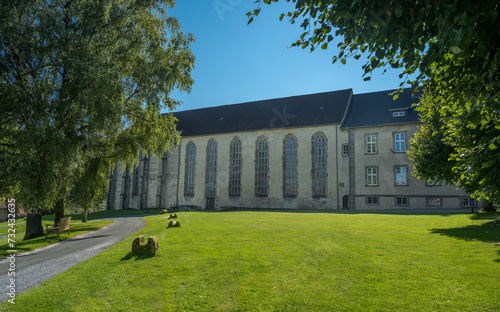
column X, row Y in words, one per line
column 319, row 165
column 235, row 167
column 190, row 169
column 211, row 174
column 290, row 166
column 262, row 167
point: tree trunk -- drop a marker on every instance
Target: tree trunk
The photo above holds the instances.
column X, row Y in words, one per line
column 85, row 212
column 489, row 207
column 58, row 211
column 33, row 226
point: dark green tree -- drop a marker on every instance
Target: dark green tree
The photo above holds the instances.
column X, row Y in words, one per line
column 83, row 80
column 450, row 49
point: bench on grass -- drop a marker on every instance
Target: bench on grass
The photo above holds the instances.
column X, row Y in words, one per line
column 63, row 225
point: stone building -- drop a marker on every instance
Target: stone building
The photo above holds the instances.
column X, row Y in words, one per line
column 325, row 151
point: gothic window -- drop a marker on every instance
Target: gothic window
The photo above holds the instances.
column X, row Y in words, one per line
column 190, row 169
column 290, row 166
column 319, row 165
column 235, row 167
column 211, row 167
column 262, row 167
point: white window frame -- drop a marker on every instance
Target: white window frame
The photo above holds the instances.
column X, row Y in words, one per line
column 400, row 142
column 371, row 176
column 345, row 149
column 372, row 201
column 434, row 201
column 371, row 144
column 401, row 175
column 402, row 201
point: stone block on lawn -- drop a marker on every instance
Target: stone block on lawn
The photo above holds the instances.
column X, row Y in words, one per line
column 164, row 211
column 139, row 246
column 173, row 223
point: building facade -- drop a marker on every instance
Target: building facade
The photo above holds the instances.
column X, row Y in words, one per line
column 326, row 151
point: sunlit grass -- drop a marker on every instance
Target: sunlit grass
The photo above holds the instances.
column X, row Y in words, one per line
column 276, row 261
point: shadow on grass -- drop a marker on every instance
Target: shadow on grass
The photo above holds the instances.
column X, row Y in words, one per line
column 488, row 232
column 136, row 257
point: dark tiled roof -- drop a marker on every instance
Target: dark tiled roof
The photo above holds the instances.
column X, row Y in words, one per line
column 376, row 109
column 296, row 111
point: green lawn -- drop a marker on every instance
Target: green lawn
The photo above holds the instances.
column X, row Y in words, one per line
column 77, row 228
column 277, row 261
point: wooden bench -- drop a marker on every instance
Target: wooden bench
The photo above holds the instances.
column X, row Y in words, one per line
column 63, row 225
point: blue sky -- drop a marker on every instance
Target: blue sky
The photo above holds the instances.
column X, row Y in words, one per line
column 236, row 63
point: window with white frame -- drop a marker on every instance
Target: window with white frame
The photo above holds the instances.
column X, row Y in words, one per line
column 402, row 201
column 371, row 176
column 345, row 149
column 372, row 200
column 262, row 167
column 319, row 165
column 468, row 202
column 235, row 167
column 211, row 171
column 371, row 144
column 400, row 142
column 398, row 114
column 401, row 175
column 290, row 167
column 434, row 201
column 190, row 169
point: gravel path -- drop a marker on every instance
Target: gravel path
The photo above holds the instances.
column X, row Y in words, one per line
column 34, row 267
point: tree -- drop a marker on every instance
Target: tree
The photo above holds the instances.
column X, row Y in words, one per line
column 450, row 49
column 83, row 80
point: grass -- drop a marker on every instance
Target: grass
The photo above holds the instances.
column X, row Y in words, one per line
column 77, row 228
column 277, row 261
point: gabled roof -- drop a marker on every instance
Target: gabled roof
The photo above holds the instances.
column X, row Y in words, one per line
column 296, row 111
column 377, row 108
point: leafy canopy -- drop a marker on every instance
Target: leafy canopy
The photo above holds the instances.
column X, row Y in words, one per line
column 450, row 49
column 82, row 84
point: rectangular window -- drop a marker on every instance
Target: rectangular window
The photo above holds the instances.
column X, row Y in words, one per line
column 345, row 149
column 433, row 201
column 371, row 144
column 401, row 176
column 468, row 202
column 402, row 201
column 371, row 176
column 372, row 201
column 400, row 142
column 398, row 114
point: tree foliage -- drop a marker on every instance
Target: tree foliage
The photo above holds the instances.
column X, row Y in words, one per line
column 80, row 81
column 450, row 49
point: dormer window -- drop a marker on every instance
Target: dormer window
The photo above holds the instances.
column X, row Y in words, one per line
column 399, row 114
